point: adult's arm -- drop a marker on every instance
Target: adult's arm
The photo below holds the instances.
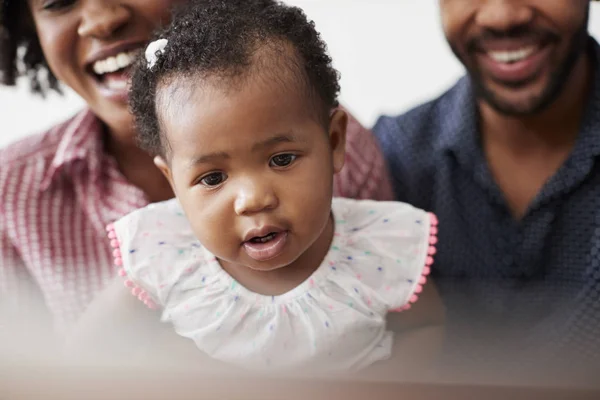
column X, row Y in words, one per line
column 118, row 329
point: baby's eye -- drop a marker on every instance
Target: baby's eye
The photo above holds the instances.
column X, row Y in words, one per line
column 282, row 160
column 214, row 179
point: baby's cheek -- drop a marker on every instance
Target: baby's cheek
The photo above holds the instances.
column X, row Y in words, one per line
column 217, row 235
column 312, row 217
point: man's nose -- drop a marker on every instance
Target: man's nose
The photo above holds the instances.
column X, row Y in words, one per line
column 503, row 15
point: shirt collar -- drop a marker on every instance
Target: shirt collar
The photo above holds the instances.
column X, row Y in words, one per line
column 459, row 124
column 81, row 140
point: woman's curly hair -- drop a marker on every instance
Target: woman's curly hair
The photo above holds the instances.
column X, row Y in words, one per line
column 219, row 39
column 20, row 50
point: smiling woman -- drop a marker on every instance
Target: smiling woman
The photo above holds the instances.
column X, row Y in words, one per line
column 59, row 189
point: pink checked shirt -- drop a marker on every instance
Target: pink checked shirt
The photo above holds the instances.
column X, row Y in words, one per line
column 59, row 190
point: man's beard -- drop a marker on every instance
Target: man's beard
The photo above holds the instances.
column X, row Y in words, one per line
column 557, row 83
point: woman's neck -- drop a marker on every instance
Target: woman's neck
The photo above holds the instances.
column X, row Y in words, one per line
column 138, row 168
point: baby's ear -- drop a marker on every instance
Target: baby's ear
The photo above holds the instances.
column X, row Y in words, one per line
column 163, row 166
column 338, row 123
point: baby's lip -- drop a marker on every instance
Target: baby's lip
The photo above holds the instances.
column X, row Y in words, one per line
column 265, row 251
column 261, row 232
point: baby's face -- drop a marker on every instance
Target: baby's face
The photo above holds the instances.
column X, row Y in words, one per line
column 252, row 168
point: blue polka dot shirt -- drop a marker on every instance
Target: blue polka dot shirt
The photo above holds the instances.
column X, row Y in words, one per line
column 529, row 285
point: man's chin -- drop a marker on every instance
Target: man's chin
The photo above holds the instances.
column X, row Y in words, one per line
column 515, row 106
column 518, row 102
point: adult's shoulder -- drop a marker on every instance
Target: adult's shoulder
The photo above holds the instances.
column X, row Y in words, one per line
column 422, row 127
column 414, row 143
column 26, row 160
column 34, row 147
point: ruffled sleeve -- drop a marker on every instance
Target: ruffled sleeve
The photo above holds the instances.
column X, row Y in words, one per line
column 388, row 246
column 154, row 249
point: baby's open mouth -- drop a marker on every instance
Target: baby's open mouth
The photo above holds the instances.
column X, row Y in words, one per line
column 264, row 239
column 264, row 248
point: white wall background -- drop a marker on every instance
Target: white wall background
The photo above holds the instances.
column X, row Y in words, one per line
column 391, row 53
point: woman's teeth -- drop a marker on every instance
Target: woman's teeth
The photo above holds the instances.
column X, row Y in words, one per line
column 113, row 64
column 118, row 83
column 507, row 57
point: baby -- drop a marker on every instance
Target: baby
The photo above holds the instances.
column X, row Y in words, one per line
column 254, row 260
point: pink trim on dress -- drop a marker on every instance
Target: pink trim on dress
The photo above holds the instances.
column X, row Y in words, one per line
column 431, row 251
column 136, row 291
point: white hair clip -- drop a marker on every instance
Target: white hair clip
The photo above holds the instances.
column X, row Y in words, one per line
column 154, row 50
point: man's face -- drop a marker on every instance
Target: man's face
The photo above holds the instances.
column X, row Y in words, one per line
column 519, row 53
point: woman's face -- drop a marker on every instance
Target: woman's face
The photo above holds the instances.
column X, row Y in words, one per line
column 89, row 45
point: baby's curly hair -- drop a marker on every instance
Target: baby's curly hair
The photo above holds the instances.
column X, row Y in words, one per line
column 222, row 41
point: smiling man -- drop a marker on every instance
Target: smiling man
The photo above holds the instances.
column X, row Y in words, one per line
column 508, row 160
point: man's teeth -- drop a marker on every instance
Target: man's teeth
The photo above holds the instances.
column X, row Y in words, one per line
column 113, row 64
column 507, row 57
